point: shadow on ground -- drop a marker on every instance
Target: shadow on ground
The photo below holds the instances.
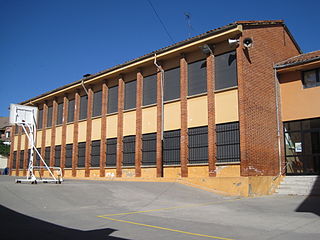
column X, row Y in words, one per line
column 312, row 202
column 15, row 225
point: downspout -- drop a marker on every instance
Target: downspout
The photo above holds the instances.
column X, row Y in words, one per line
column 82, row 83
column 162, row 82
column 276, row 82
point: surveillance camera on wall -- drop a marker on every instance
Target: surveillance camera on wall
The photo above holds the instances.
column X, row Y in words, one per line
column 247, row 42
column 233, row 42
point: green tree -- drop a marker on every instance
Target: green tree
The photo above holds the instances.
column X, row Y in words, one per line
column 4, row 149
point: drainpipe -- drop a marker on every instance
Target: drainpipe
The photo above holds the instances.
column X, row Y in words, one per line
column 162, row 81
column 276, row 82
column 82, row 83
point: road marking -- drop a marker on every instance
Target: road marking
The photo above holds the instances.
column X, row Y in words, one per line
column 170, row 208
column 163, row 228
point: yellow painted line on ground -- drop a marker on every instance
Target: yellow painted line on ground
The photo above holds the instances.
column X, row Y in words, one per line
column 163, row 228
column 170, row 208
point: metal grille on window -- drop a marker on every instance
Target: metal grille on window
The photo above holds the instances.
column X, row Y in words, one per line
column 113, row 99
column 149, row 149
column 57, row 156
column 97, row 103
column 197, row 77
column 68, row 161
column 149, row 90
column 198, row 145
column 49, row 118
column 47, row 156
column 83, row 107
column 130, row 94
column 60, row 113
column 111, row 152
column 171, row 147
column 95, row 153
column 14, row 160
column 129, row 143
column 228, row 142
column 38, row 160
column 40, row 116
column 81, row 154
column 71, row 111
column 21, row 159
column 226, row 70
column 171, row 84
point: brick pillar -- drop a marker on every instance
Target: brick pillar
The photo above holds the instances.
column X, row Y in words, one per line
column 184, row 117
column 159, row 127
column 64, row 133
column 18, row 151
column 89, row 133
column 25, row 155
column 43, row 136
column 212, row 148
column 103, row 147
column 75, row 134
column 138, row 150
column 120, row 127
column 13, row 129
column 53, row 132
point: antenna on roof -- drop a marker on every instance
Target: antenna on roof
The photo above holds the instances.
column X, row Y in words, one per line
column 188, row 21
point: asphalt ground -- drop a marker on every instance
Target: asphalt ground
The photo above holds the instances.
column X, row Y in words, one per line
column 79, row 209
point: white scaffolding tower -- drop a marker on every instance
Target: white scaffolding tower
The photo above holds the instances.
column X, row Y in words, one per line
column 26, row 117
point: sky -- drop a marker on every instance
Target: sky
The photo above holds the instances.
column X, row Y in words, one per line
column 45, row 44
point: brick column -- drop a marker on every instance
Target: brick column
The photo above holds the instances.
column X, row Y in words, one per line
column 138, row 150
column 18, row 151
column 53, row 132
column 13, row 129
column 75, row 134
column 212, row 148
column 159, row 127
column 89, row 133
column 120, row 127
column 103, row 148
column 43, row 136
column 184, row 117
column 25, row 155
column 64, row 133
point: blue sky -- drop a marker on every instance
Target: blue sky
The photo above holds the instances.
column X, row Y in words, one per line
column 45, row 44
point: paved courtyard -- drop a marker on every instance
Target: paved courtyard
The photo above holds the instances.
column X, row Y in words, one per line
column 149, row 211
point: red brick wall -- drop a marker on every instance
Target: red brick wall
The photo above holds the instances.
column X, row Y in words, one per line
column 257, row 98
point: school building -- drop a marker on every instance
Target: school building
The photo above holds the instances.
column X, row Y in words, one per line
column 232, row 110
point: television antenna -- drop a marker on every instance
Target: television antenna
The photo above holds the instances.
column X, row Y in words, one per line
column 26, row 117
column 188, row 21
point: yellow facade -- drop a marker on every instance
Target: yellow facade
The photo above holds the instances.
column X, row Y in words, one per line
column 112, row 123
column 226, row 104
column 96, row 129
column 129, row 123
column 149, row 120
column 172, row 113
column 197, row 111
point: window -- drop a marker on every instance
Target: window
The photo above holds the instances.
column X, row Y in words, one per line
column 71, row 111
column 111, row 152
column 197, row 77
column 149, row 149
column 60, row 114
column 49, row 118
column 40, row 117
column 311, row 78
column 150, row 90
column 81, row 154
column 228, row 142
column 130, row 90
column 95, row 153
column 129, row 143
column 198, row 145
column 171, row 147
column 83, row 107
column 21, row 159
column 37, row 163
column 14, row 160
column 57, row 156
column 68, row 163
column 171, row 84
column 226, row 70
column 113, row 99
column 97, row 103
column 47, row 156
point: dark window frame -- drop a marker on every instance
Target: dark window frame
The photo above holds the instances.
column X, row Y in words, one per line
column 171, row 91
column 97, row 103
column 317, row 82
column 129, row 149
column 171, row 147
column 68, row 160
column 149, row 149
column 198, row 145
column 149, row 95
column 113, row 95
column 111, row 152
column 192, row 82
column 95, row 153
column 130, row 98
column 71, row 107
column 224, row 83
column 81, row 155
column 49, row 116
column 83, row 109
column 59, row 113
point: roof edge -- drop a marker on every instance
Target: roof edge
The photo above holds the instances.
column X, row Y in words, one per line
column 296, row 63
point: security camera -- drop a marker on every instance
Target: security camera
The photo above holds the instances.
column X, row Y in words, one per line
column 233, row 42
column 247, row 42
